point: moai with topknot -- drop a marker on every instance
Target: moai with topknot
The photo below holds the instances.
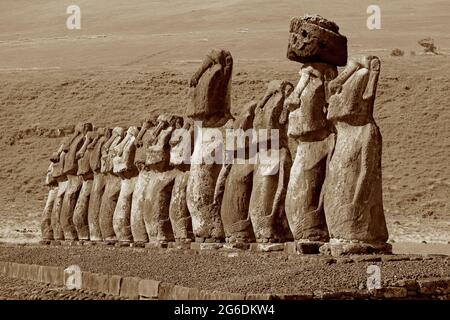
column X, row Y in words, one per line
column 273, row 163
column 317, row 44
column 98, row 184
column 209, row 109
column 124, row 167
column 74, row 181
column 112, row 187
column 236, row 181
column 353, row 197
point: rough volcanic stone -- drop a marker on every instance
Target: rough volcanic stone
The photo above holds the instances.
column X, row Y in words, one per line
column 46, row 222
column 149, row 288
column 129, row 288
column 74, row 184
column 114, row 285
column 210, row 88
column 237, row 182
column 271, row 172
column 80, row 214
column 316, row 39
column 311, row 130
column 353, row 198
column 95, row 201
column 434, row 286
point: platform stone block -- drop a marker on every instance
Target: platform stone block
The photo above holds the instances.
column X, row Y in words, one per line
column 434, row 286
column 51, row 275
column 130, row 288
column 179, row 245
column 266, row 247
column 149, row 288
column 236, row 246
column 114, row 285
column 165, row 291
column 206, row 246
column 389, row 293
column 259, row 296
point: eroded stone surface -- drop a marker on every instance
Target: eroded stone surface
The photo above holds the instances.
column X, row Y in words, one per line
column 124, row 167
column 237, row 180
column 311, row 130
column 316, row 39
column 353, row 197
column 210, row 89
column 271, row 173
column 112, row 186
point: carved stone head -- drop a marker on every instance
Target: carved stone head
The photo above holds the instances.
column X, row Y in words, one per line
column 269, row 111
column 158, row 151
column 210, row 90
column 355, row 95
column 181, row 142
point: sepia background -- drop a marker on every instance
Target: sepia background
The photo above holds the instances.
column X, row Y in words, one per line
column 133, row 58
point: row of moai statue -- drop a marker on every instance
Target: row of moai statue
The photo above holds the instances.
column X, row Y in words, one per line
column 141, row 185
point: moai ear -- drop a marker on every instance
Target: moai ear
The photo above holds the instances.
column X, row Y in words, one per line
column 286, row 90
column 374, row 73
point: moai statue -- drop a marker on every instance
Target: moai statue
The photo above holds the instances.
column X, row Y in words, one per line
column 209, row 108
column 315, row 42
column 353, row 198
column 124, row 167
column 112, row 186
column 80, row 214
column 271, row 172
column 104, row 136
column 74, row 181
column 158, row 190
column 52, row 184
column 58, row 174
column 180, row 157
column 146, row 137
column 236, row 180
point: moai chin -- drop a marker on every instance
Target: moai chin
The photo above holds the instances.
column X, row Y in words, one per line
column 98, row 184
column 112, row 186
column 210, row 105
column 158, row 190
column 74, row 181
column 181, row 142
column 80, row 214
column 123, row 166
column 236, row 180
column 146, row 137
column 353, row 195
column 271, row 173
column 316, row 42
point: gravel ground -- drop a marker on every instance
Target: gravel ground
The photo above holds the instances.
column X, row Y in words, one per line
column 17, row 289
column 242, row 273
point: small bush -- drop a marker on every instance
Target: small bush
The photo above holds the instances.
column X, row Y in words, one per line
column 397, row 53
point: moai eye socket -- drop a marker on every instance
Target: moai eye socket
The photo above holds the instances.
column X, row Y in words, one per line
column 304, row 33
